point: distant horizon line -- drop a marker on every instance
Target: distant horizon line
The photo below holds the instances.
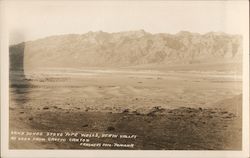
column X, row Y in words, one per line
column 127, row 31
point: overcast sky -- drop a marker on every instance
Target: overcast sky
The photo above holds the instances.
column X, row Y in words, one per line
column 32, row 20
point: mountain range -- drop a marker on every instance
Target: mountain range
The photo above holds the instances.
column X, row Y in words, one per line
column 122, row 49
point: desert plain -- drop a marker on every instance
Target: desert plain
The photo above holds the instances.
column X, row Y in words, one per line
column 178, row 109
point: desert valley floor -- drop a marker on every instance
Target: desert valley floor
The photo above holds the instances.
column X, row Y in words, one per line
column 196, row 110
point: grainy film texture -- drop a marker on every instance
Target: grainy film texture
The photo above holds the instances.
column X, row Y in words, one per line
column 126, row 90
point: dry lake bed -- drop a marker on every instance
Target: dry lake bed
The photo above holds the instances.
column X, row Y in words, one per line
column 165, row 110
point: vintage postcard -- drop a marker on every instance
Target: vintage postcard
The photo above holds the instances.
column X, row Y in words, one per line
column 125, row 78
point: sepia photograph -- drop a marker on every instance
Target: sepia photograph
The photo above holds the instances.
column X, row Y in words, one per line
column 126, row 75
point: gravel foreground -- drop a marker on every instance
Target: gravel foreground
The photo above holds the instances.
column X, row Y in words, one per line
column 160, row 129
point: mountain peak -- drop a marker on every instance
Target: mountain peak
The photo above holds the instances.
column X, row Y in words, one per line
column 135, row 33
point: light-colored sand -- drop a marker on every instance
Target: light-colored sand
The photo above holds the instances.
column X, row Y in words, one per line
column 127, row 90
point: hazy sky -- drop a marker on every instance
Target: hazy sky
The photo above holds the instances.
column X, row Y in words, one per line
column 31, row 20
